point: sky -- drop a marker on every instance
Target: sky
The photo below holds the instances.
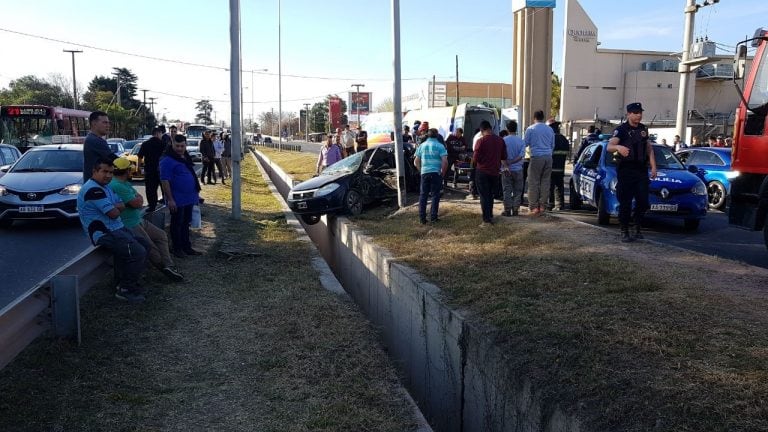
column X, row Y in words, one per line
column 325, row 45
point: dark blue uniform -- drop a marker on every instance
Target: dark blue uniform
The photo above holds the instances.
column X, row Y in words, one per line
column 632, row 172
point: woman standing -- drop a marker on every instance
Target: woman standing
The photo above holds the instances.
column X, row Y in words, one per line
column 218, row 150
column 181, row 191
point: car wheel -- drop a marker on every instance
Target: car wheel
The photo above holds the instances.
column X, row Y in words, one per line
column 6, row 223
column 716, row 194
column 573, row 197
column 692, row 224
column 765, row 232
column 310, row 219
column 603, row 217
column 353, row 202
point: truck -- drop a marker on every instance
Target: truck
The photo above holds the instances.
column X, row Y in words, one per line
column 748, row 206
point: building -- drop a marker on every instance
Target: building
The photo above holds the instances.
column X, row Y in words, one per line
column 443, row 93
column 597, row 84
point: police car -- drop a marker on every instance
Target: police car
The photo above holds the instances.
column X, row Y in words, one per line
column 677, row 192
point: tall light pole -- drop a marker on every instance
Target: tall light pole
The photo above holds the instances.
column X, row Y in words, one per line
column 397, row 104
column 279, row 79
column 74, row 80
column 357, row 105
column 235, row 89
column 306, row 119
column 685, row 68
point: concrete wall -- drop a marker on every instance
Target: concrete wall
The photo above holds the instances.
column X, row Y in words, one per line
column 450, row 363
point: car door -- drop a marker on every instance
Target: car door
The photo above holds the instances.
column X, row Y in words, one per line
column 585, row 180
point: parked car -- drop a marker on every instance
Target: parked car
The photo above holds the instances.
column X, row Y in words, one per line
column 137, row 170
column 8, row 155
column 129, row 145
column 193, row 148
column 348, row 185
column 42, row 184
column 715, row 166
column 676, row 192
column 116, row 145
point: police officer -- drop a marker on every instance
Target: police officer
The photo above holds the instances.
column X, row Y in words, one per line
column 633, row 151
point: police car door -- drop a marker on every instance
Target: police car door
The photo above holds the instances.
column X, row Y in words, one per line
column 587, row 177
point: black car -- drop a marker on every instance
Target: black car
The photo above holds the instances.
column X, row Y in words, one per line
column 346, row 186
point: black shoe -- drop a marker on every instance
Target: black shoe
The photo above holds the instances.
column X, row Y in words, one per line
column 423, row 221
column 129, row 296
column 192, row 252
column 515, row 212
column 173, row 274
column 178, row 254
column 625, row 237
column 434, row 220
column 506, row 213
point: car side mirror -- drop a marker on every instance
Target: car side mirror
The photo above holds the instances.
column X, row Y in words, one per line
column 5, row 168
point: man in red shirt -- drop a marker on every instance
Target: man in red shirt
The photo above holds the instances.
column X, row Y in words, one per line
column 489, row 157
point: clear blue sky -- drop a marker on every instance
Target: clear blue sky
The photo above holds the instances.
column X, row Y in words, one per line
column 348, row 41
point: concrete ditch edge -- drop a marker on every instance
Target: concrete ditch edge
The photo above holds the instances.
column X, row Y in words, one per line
column 452, row 365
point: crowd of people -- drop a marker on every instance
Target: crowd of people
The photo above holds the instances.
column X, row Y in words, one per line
column 111, row 210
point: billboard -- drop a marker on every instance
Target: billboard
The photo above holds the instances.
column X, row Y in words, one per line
column 359, row 102
column 334, row 112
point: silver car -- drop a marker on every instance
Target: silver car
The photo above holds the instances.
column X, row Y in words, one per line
column 193, row 148
column 42, row 184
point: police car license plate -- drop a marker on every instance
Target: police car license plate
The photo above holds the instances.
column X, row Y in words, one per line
column 301, row 205
column 31, row 209
column 664, row 207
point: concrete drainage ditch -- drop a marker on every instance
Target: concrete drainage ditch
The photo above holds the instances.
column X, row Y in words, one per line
column 451, row 365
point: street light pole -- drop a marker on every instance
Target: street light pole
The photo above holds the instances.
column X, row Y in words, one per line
column 397, row 104
column 279, row 78
column 357, row 105
column 306, row 119
column 74, row 80
column 235, row 89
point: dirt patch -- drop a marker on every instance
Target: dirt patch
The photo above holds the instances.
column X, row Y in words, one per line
column 247, row 344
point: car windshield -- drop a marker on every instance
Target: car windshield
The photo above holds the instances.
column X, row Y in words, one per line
column 50, row 161
column 665, row 159
column 115, row 147
column 350, row 164
column 135, row 149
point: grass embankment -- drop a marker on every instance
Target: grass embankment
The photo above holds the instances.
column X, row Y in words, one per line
column 300, row 166
column 248, row 344
column 630, row 338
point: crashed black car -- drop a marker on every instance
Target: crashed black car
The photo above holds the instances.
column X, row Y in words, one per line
column 346, row 186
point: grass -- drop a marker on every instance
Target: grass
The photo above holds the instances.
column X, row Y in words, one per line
column 300, row 166
column 248, row 344
column 627, row 338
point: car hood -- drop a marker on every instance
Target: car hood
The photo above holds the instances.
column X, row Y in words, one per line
column 40, row 181
column 675, row 179
column 320, row 181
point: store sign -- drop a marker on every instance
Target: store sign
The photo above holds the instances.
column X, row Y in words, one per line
column 582, row 35
column 24, row 111
column 359, row 103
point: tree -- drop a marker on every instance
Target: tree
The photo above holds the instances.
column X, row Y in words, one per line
column 318, row 115
column 204, row 109
column 387, row 105
column 127, row 88
column 268, row 121
column 30, row 89
column 555, row 98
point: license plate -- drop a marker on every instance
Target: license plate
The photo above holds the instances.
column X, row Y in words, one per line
column 664, row 207
column 31, row 209
column 301, row 205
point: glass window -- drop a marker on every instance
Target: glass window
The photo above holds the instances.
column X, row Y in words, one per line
column 8, row 155
column 683, row 156
column 50, row 160
column 665, row 159
column 705, row 158
column 758, row 96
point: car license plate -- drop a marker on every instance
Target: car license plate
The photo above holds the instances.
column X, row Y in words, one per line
column 664, row 207
column 301, row 205
column 31, row 209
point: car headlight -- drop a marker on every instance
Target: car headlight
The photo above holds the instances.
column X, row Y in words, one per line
column 72, row 189
column 732, row 174
column 325, row 190
column 699, row 189
column 3, row 191
column 613, row 184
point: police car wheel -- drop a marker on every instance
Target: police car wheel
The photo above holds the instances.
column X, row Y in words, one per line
column 716, row 194
column 765, row 232
column 310, row 219
column 573, row 198
column 603, row 217
column 692, row 224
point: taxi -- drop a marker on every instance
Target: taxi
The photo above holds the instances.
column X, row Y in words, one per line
column 677, row 192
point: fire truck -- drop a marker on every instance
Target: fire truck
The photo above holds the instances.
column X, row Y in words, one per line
column 749, row 191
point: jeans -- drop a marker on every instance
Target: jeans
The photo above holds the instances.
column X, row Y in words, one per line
column 130, row 254
column 180, row 221
column 485, row 184
column 430, row 183
column 220, row 167
column 209, row 170
column 226, row 162
column 512, row 185
column 151, row 183
column 539, row 173
column 632, row 184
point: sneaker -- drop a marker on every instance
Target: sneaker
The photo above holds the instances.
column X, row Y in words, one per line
column 625, row 237
column 192, row 252
column 534, row 212
column 129, row 296
column 506, row 213
column 173, row 274
column 434, row 220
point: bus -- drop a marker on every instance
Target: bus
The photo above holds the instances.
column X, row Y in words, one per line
column 27, row 126
column 196, row 130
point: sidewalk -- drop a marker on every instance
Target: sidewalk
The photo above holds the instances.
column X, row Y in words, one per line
column 251, row 342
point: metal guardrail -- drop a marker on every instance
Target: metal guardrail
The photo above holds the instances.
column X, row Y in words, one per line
column 54, row 303
column 277, row 146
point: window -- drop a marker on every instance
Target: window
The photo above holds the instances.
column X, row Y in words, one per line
column 706, row 158
column 683, row 156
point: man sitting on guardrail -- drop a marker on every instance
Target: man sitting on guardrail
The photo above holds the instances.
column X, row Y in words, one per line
column 99, row 210
column 159, row 255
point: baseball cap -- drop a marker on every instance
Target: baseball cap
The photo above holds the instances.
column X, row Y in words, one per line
column 121, row 163
column 635, row 107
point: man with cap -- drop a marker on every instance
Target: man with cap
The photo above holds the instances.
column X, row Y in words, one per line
column 633, row 151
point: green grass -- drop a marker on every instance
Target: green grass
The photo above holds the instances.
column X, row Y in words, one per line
column 247, row 344
column 300, row 166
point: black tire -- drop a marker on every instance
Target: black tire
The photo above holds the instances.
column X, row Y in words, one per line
column 603, row 217
column 6, row 223
column 353, row 202
column 310, row 219
column 574, row 200
column 692, row 224
column 765, row 232
column 716, row 194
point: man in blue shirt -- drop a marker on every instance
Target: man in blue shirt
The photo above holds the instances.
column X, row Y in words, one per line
column 512, row 181
column 99, row 210
column 431, row 160
column 95, row 147
column 541, row 140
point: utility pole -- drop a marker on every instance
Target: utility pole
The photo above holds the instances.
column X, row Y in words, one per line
column 145, row 96
column 117, row 93
column 397, row 102
column 279, row 77
column 235, row 89
column 306, row 116
column 457, row 80
column 74, row 80
column 357, row 104
column 152, row 105
column 433, row 92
